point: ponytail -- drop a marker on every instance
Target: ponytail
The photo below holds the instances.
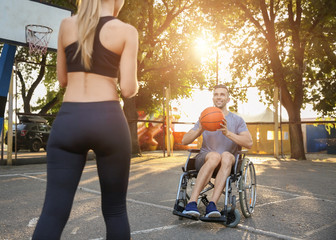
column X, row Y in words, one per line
column 87, row 20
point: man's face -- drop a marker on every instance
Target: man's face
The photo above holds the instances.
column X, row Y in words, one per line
column 220, row 97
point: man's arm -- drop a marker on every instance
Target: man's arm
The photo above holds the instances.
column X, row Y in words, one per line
column 190, row 136
column 243, row 139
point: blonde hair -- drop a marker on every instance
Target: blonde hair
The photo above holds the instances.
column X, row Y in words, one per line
column 87, row 19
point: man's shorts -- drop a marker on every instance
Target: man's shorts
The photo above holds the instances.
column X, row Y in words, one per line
column 200, row 160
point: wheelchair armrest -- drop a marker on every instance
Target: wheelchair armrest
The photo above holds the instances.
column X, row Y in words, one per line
column 194, row 150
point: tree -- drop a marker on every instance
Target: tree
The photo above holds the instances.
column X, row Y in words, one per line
column 165, row 58
column 278, row 39
column 166, row 31
column 34, row 70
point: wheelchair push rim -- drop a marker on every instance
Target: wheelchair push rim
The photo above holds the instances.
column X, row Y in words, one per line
column 247, row 188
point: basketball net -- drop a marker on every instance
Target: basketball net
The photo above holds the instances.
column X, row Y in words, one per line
column 37, row 37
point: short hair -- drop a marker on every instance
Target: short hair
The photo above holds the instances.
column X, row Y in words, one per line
column 221, row 86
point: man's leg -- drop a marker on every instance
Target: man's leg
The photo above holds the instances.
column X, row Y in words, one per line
column 212, row 159
column 227, row 161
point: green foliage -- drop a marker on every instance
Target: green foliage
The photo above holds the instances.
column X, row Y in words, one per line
column 305, row 47
column 68, row 4
column 167, row 31
column 31, row 71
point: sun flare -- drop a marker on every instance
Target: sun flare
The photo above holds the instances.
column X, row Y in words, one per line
column 201, row 46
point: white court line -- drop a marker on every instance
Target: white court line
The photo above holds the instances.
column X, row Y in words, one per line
column 89, row 190
column 267, row 233
column 279, row 190
column 163, row 228
column 20, row 174
column 32, row 177
column 297, row 195
column 285, row 200
column 244, row 227
column 150, row 204
column 10, row 175
column 307, row 234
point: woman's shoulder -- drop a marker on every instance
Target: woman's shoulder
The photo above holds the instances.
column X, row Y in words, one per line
column 69, row 20
column 125, row 27
column 68, row 23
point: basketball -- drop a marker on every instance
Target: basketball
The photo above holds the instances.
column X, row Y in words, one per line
column 211, row 118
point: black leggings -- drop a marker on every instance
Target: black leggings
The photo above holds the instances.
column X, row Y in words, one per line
column 79, row 127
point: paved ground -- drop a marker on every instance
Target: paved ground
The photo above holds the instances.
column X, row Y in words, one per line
column 296, row 200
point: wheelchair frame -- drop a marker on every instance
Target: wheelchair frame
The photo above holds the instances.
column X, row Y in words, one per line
column 242, row 174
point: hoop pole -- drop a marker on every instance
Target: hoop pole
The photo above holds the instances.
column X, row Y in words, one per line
column 6, row 68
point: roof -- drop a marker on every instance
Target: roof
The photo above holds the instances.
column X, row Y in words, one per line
column 266, row 116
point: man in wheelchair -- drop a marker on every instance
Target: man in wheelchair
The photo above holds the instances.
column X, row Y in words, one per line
column 217, row 154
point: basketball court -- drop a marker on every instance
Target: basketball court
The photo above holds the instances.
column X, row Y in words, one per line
column 295, row 200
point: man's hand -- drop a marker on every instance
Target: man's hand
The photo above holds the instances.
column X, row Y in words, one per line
column 200, row 128
column 223, row 128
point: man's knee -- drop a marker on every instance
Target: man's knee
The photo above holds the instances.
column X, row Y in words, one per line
column 213, row 159
column 227, row 158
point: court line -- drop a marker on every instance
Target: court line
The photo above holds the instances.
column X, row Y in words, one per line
column 285, row 200
column 244, row 227
column 150, row 204
column 32, row 177
column 267, row 233
column 168, row 227
column 297, row 196
column 278, row 189
column 307, row 234
column 301, row 194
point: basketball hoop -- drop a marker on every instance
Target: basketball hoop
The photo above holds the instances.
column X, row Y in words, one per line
column 37, row 37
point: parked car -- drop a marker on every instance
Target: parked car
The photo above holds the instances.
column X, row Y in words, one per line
column 32, row 133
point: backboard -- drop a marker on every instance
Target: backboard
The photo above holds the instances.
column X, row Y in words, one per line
column 16, row 14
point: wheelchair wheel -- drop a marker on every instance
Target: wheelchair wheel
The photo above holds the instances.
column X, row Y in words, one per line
column 247, row 188
column 233, row 218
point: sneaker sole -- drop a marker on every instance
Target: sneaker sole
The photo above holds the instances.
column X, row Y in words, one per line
column 213, row 215
column 192, row 213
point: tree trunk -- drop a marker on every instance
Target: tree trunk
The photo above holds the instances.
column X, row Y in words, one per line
column 132, row 115
column 295, row 133
column 49, row 105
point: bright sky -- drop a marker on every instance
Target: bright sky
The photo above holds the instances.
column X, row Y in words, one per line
column 190, row 109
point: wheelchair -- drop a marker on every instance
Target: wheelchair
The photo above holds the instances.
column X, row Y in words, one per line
column 242, row 177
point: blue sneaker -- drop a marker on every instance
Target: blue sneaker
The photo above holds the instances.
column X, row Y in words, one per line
column 211, row 211
column 191, row 209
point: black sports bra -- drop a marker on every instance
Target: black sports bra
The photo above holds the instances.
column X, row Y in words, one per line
column 104, row 61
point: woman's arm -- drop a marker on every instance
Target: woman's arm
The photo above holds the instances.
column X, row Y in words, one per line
column 128, row 64
column 61, row 59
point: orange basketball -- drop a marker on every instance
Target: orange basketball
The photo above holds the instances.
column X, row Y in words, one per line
column 211, row 118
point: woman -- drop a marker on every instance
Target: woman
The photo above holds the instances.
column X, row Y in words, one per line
column 92, row 47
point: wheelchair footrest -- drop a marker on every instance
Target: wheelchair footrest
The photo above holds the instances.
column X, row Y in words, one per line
column 221, row 219
column 180, row 214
